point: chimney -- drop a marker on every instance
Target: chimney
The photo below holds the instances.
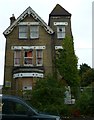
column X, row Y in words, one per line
column 12, row 19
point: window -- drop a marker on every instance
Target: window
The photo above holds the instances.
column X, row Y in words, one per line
column 17, row 57
column 34, row 31
column 28, row 57
column 13, row 108
column 23, row 31
column 39, row 57
column 7, row 84
column 60, row 32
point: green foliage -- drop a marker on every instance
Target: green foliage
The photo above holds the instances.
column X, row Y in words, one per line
column 48, row 95
column 86, row 74
column 66, row 62
column 87, row 77
column 83, row 104
column 83, row 68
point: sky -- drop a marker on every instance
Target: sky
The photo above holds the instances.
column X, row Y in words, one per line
column 81, row 21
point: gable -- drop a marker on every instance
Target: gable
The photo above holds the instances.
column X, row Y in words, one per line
column 28, row 11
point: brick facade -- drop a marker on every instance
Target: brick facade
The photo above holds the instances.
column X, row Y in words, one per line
column 23, row 76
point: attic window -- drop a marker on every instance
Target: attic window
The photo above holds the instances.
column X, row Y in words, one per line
column 34, row 31
column 23, row 31
column 60, row 32
column 28, row 30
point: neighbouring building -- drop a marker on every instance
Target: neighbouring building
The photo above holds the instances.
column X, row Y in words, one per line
column 31, row 45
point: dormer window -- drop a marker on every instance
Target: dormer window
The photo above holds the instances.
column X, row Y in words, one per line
column 60, row 32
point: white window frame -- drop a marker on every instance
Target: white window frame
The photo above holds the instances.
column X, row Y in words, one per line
column 17, row 58
column 28, row 58
column 39, row 58
column 34, row 31
column 23, row 31
column 60, row 31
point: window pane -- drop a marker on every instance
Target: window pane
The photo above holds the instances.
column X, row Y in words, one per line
column 60, row 31
column 23, row 31
column 11, row 108
column 39, row 61
column 39, row 57
column 61, row 35
column 28, row 61
column 34, row 31
column 28, row 58
column 22, row 35
column 17, row 61
column 39, row 53
column 17, row 57
column 17, row 54
column 34, row 35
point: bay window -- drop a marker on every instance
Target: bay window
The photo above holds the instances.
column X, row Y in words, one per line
column 28, row 56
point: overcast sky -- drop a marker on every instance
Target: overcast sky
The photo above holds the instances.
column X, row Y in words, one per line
column 81, row 20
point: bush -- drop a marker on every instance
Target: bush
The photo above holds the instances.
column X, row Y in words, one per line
column 83, row 104
column 48, row 95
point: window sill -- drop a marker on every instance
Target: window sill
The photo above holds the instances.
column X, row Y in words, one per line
column 60, row 38
column 34, row 38
column 39, row 65
column 16, row 65
column 28, row 65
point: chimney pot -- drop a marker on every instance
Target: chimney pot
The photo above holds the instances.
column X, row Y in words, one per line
column 12, row 19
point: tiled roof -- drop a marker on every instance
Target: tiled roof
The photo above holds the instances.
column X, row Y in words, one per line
column 59, row 11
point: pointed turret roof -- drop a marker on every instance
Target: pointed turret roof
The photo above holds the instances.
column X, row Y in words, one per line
column 59, row 11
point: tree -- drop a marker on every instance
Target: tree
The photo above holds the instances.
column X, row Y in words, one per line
column 86, row 75
column 66, row 63
column 48, row 95
column 85, row 103
column 83, row 68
